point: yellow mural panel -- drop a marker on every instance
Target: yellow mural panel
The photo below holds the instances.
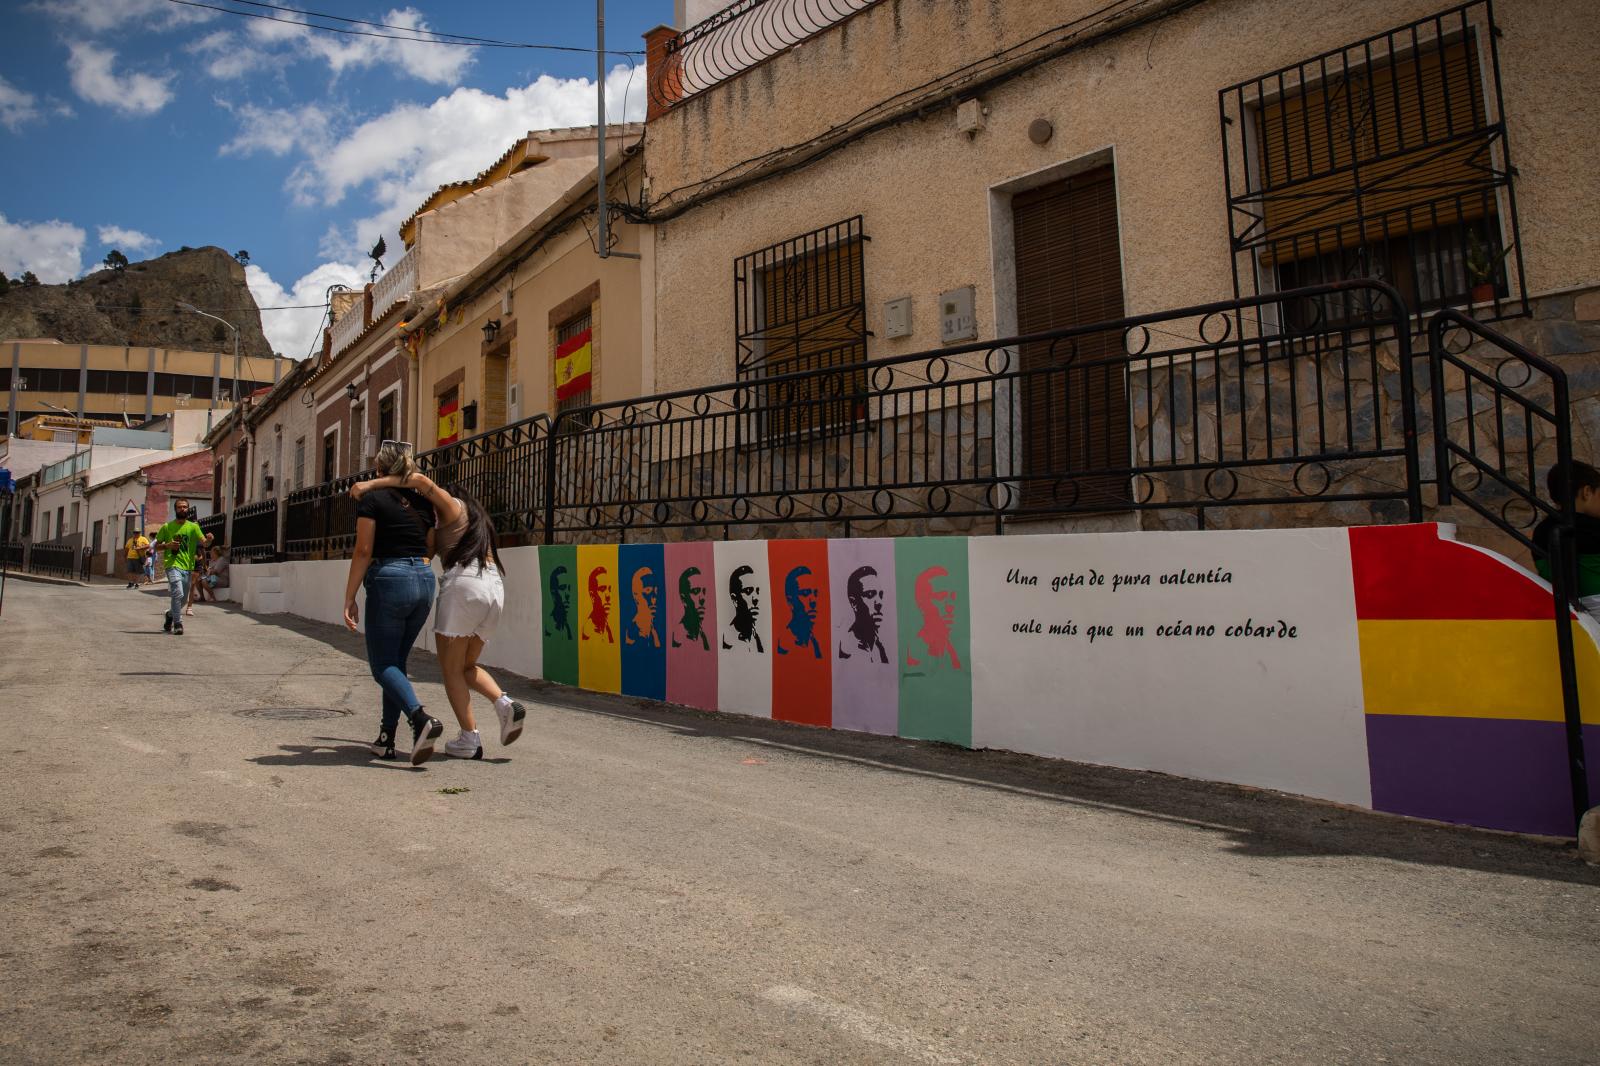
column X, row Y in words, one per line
column 599, row 654
column 1455, row 668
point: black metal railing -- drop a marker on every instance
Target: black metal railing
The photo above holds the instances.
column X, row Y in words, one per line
column 1226, row 405
column 13, row 554
column 58, row 560
column 255, row 532
column 1501, row 414
column 737, row 38
column 1221, row 409
column 215, row 526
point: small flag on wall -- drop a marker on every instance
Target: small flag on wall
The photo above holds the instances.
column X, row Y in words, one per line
column 574, row 365
column 449, row 422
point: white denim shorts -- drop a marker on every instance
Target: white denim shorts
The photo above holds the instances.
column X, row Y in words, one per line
column 470, row 602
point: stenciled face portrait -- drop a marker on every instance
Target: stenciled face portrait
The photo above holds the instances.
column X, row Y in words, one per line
column 865, row 593
column 746, row 596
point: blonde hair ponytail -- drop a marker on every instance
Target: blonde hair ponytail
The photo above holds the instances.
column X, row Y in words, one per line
column 395, row 460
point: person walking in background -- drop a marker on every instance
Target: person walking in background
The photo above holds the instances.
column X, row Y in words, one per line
column 138, row 547
column 150, row 564
column 1586, row 532
column 471, row 600
column 394, row 533
column 180, row 541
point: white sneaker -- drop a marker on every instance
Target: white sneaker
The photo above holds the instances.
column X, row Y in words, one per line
column 511, row 715
column 465, row 745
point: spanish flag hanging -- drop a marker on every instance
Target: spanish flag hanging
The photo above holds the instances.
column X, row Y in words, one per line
column 574, row 365
column 449, row 421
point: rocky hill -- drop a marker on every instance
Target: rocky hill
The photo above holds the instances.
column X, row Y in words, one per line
column 137, row 305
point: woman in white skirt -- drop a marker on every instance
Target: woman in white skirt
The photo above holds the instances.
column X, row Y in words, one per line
column 471, row 599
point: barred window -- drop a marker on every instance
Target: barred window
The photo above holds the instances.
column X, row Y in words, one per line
column 800, row 308
column 1384, row 159
column 572, row 336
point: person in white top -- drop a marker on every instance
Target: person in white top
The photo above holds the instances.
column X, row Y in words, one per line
column 471, row 600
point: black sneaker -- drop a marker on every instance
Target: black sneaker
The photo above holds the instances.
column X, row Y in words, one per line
column 424, row 731
column 177, row 629
column 383, row 747
column 166, row 627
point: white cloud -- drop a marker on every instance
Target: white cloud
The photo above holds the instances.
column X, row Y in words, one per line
column 262, row 44
column 94, row 78
column 16, row 106
column 97, row 16
column 52, row 250
column 127, row 240
column 295, row 333
column 278, row 131
column 437, row 64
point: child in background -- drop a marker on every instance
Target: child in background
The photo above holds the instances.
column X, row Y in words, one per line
column 1586, row 532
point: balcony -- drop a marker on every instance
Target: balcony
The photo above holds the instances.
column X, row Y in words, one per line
column 347, row 327
column 395, row 286
column 735, row 39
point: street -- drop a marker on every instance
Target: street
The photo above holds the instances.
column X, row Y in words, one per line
column 203, row 864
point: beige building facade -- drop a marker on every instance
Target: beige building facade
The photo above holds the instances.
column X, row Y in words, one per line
column 931, row 160
column 112, row 383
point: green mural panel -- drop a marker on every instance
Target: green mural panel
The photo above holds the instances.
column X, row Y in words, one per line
column 558, row 568
column 935, row 661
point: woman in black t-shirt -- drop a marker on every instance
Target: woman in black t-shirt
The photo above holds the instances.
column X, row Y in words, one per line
column 394, row 530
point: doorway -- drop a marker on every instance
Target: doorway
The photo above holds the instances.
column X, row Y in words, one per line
column 1073, row 393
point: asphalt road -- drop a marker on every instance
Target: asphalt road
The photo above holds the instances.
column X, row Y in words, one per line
column 191, row 874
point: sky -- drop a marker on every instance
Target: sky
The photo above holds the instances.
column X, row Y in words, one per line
column 147, row 125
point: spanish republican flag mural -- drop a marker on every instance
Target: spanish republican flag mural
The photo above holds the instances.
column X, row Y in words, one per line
column 1462, row 687
column 574, row 364
column 449, row 422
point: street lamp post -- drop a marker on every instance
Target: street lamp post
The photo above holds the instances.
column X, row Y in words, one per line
column 195, row 310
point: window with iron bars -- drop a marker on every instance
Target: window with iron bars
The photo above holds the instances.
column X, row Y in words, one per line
column 1384, row 159
column 578, row 324
column 800, row 306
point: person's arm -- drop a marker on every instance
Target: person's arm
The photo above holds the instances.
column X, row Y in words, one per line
column 360, row 560
column 445, row 506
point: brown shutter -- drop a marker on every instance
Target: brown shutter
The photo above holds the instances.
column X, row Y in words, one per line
column 812, row 321
column 1411, row 127
column 1073, row 393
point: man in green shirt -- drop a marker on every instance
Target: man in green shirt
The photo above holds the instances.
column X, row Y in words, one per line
column 180, row 542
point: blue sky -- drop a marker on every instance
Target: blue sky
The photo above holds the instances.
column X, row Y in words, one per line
column 147, row 125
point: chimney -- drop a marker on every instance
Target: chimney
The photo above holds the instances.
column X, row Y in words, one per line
column 663, row 72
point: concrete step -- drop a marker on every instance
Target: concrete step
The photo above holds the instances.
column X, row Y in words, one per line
column 269, row 603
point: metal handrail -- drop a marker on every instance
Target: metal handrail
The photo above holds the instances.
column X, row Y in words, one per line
column 1484, row 453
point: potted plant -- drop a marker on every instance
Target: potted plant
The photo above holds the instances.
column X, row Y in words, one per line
column 1483, row 268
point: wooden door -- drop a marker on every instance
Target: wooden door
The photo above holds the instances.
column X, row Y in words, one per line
column 1073, row 393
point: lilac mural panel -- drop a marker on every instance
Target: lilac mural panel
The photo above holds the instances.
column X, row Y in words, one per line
column 689, row 594
column 862, row 590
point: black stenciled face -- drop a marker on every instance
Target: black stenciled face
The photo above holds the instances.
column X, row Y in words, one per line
column 868, row 602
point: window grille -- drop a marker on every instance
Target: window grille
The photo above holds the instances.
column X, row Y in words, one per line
column 574, row 328
column 1384, row 159
column 800, row 305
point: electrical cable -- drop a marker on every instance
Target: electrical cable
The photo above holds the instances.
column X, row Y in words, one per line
column 433, row 37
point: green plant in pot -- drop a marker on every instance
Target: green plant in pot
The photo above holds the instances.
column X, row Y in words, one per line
column 1483, row 268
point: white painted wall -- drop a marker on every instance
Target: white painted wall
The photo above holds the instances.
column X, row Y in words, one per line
column 1274, row 712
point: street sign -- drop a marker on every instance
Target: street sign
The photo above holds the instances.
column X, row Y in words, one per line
column 131, row 510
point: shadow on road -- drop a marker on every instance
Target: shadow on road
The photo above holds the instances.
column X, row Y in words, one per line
column 1251, row 822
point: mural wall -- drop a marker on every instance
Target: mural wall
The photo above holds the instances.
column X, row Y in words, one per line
column 1386, row 667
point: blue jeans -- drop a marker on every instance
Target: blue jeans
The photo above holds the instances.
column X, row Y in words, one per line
column 399, row 594
column 178, row 586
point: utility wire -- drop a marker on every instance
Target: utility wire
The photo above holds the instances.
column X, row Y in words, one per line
column 449, row 39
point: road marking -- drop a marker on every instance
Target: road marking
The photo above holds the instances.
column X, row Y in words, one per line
column 138, row 745
column 868, row 1027
column 228, row 777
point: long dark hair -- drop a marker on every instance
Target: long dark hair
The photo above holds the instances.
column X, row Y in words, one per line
column 477, row 542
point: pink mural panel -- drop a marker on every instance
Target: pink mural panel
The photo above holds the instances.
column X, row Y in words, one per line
column 690, row 596
column 864, row 637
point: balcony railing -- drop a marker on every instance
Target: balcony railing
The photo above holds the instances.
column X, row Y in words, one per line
column 347, row 327
column 395, row 286
column 737, row 38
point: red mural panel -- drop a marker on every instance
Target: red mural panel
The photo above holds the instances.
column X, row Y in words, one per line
column 802, row 679
column 1407, row 572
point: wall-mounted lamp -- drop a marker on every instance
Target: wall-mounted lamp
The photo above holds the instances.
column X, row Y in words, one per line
column 350, row 392
column 469, row 416
column 491, row 330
